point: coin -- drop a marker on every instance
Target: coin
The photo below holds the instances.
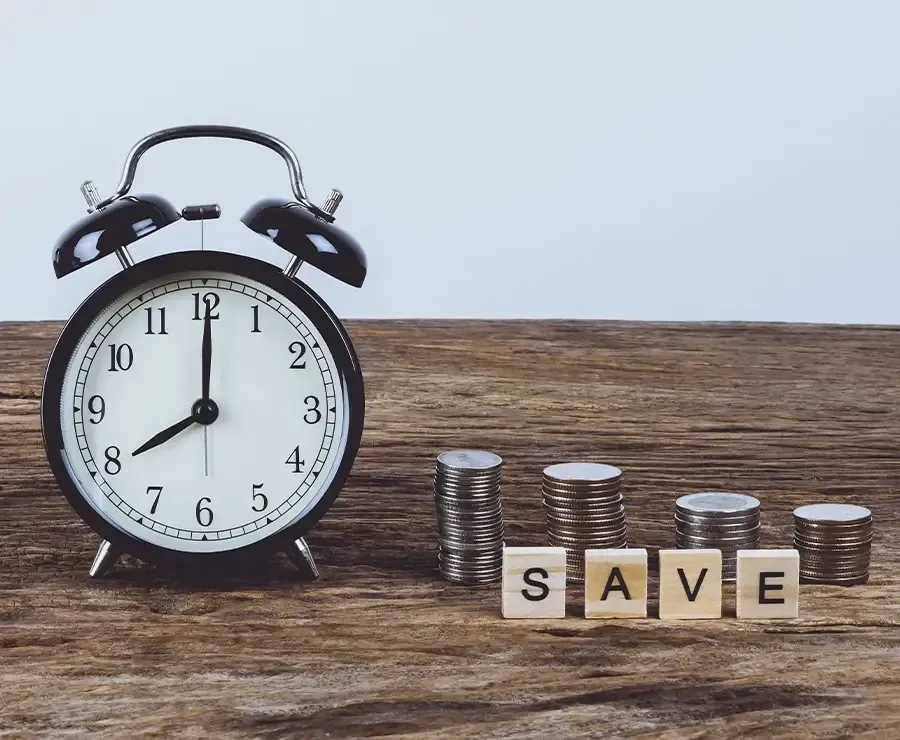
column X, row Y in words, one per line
column 584, row 509
column 717, row 504
column 718, row 520
column 469, row 516
column 834, row 542
column 833, row 513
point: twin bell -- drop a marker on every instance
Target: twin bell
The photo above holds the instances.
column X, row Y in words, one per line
column 301, row 228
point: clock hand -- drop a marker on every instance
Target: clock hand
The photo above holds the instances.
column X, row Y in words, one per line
column 206, row 361
column 206, row 352
column 166, row 434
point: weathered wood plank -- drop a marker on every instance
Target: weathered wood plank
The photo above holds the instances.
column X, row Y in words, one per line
column 380, row 645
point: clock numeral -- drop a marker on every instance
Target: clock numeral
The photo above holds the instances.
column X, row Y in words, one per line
column 120, row 357
column 264, row 503
column 211, row 302
column 313, row 416
column 255, row 329
column 162, row 321
column 112, row 465
column 92, row 407
column 299, row 349
column 157, row 490
column 204, row 512
column 294, row 459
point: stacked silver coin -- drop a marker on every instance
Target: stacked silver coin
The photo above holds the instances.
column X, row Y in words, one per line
column 583, row 503
column 834, row 542
column 470, row 520
column 718, row 521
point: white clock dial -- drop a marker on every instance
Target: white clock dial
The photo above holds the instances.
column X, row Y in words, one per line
column 263, row 463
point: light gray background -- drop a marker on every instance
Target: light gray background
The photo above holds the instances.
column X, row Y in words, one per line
column 500, row 158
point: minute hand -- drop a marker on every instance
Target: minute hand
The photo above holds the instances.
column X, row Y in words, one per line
column 165, row 435
column 206, row 353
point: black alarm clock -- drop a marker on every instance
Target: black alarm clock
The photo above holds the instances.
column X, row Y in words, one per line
column 201, row 405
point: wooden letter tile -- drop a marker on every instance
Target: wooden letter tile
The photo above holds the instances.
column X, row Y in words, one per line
column 534, row 582
column 690, row 584
column 615, row 583
column 768, row 584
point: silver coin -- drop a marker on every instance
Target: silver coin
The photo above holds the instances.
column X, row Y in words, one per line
column 833, row 559
column 579, row 498
column 463, row 517
column 591, row 543
column 490, row 546
column 472, row 484
column 731, row 539
column 472, row 579
column 845, row 554
column 833, row 546
column 583, row 472
column 723, row 523
column 471, row 566
column 726, row 550
column 616, row 520
column 725, row 531
column 820, row 539
column 473, row 557
column 462, row 530
column 469, row 460
column 467, row 474
column 581, row 492
column 828, row 581
column 717, row 502
column 831, row 570
column 585, row 514
column 483, row 541
column 838, row 567
column 583, row 524
column 847, row 513
column 837, row 527
column 605, row 532
column 471, row 541
column 585, row 508
column 466, row 492
column 470, row 518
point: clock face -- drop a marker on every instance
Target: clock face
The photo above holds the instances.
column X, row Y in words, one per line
column 154, row 460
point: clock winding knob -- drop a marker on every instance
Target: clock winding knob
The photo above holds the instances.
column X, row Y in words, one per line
column 332, row 201
column 91, row 196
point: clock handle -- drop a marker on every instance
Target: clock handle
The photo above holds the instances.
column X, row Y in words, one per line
column 218, row 132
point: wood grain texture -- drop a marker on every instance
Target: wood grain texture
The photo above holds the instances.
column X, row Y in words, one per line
column 381, row 646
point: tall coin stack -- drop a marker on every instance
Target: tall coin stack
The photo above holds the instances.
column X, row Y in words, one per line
column 719, row 521
column 834, row 542
column 584, row 510
column 470, row 521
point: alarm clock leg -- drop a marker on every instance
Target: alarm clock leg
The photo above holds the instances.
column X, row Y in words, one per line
column 104, row 560
column 302, row 558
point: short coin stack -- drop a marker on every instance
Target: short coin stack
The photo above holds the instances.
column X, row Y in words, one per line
column 470, row 521
column 718, row 521
column 584, row 510
column 834, row 542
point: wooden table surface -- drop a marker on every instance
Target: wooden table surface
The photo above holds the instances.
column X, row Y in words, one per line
column 381, row 646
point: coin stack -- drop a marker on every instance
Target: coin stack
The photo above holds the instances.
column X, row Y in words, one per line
column 470, row 521
column 719, row 521
column 834, row 542
column 584, row 511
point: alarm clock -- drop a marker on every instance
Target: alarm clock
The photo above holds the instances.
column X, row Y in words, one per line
column 202, row 406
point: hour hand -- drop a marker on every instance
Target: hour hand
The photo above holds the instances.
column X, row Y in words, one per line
column 165, row 435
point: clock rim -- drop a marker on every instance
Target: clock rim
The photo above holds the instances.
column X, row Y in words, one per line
column 305, row 298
